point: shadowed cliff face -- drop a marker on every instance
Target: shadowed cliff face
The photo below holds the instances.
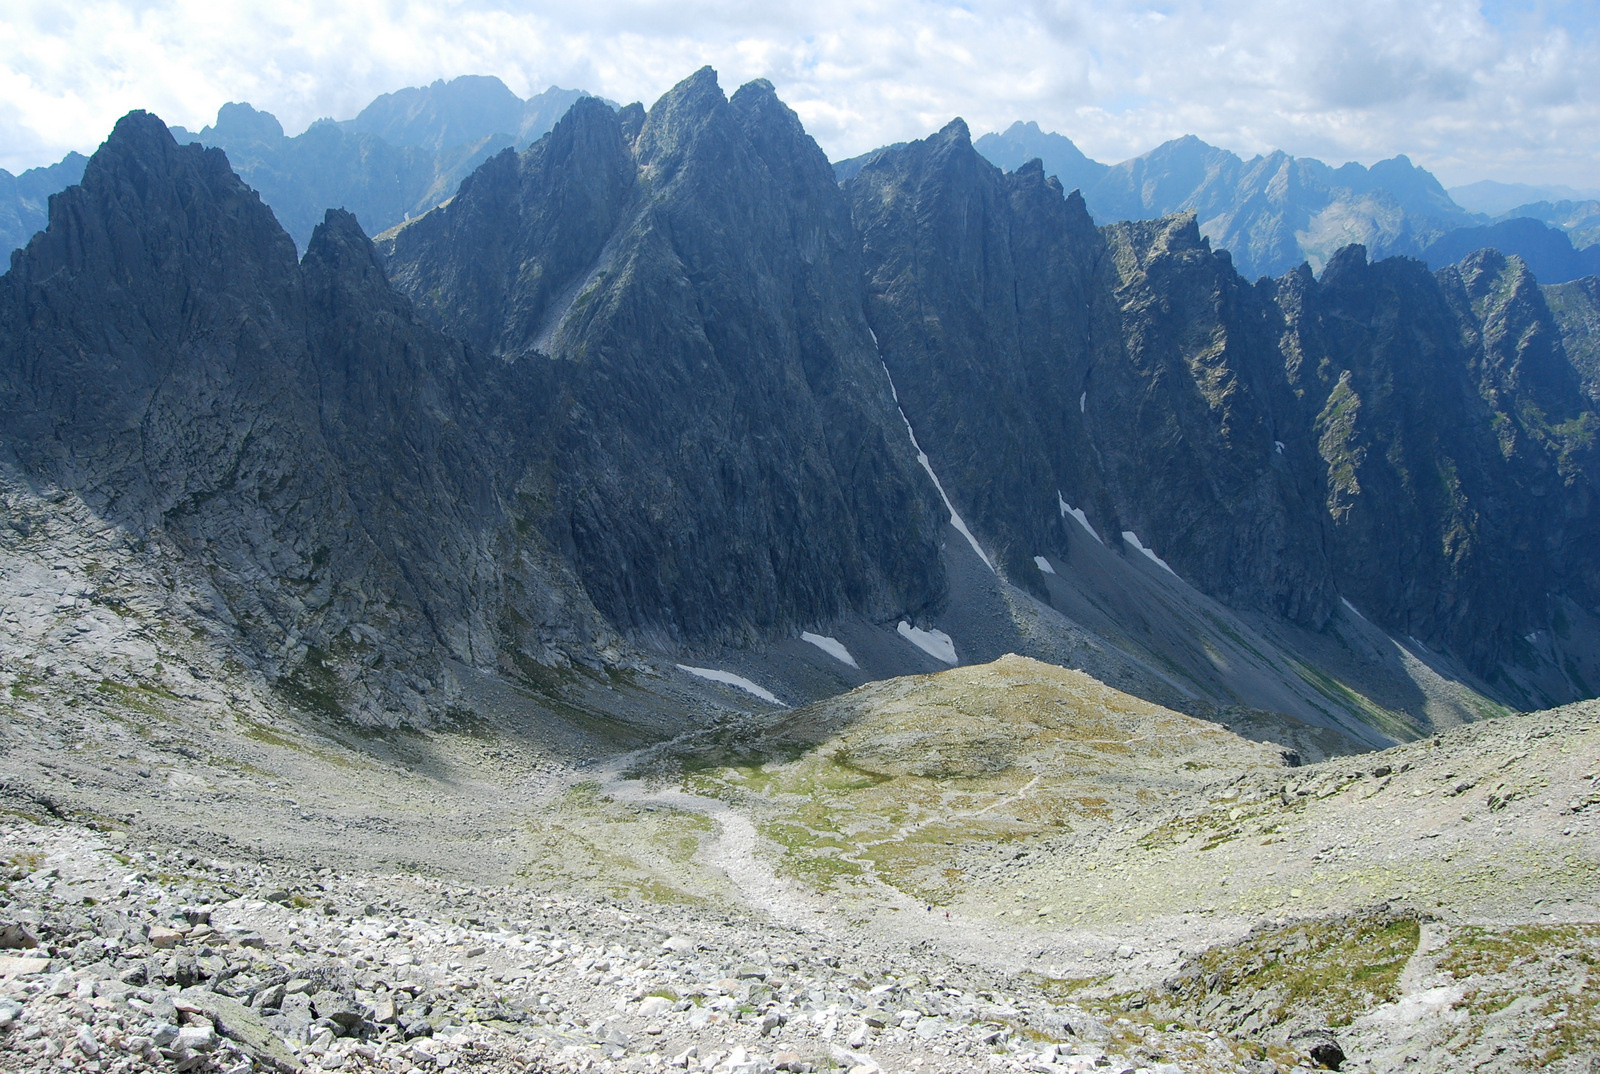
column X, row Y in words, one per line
column 989, row 297
column 1576, row 308
column 1213, row 458
column 1132, row 371
column 289, row 431
column 524, row 228
column 1419, row 445
column 719, row 458
column 1458, row 450
column 624, row 385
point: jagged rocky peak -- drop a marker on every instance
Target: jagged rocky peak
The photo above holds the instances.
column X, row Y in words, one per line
column 991, row 314
column 674, row 121
column 1454, row 438
column 340, row 248
column 169, row 201
column 1522, row 342
column 1138, row 242
column 727, row 467
column 781, row 141
column 534, row 220
column 159, row 247
column 308, row 464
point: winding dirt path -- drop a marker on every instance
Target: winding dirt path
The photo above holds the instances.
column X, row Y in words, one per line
column 734, row 850
column 1421, row 1019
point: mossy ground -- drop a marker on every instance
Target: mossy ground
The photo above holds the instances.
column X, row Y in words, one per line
column 1331, row 971
column 896, row 781
column 1551, row 971
column 619, row 849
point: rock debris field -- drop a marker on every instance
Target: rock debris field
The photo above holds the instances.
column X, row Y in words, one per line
column 150, row 958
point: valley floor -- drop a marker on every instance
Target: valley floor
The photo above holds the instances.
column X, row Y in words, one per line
column 1004, row 867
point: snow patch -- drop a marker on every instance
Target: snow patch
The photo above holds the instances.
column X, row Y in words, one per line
column 1133, row 539
column 1279, row 445
column 728, row 678
column 1353, row 611
column 922, row 457
column 1043, row 564
column 832, row 646
column 936, row 643
column 1083, row 403
column 1067, row 510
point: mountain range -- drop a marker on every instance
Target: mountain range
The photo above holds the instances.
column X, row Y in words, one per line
column 1496, row 199
column 407, row 151
column 400, row 156
column 25, row 198
column 1273, row 212
column 658, row 399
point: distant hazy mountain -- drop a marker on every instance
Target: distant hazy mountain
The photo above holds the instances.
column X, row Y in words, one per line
column 462, row 110
column 1022, row 142
column 1579, row 219
column 1488, row 196
column 1270, row 213
column 403, row 154
column 1548, row 251
column 332, row 166
column 25, row 198
column 1273, row 212
column 1558, row 240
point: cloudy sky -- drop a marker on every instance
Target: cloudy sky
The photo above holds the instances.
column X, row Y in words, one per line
column 1472, row 89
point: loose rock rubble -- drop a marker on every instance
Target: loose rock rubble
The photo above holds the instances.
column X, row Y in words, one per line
column 146, row 958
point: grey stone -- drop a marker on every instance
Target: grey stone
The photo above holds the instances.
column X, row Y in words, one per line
column 14, row 937
column 336, row 1008
column 240, row 1024
column 1320, row 1045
